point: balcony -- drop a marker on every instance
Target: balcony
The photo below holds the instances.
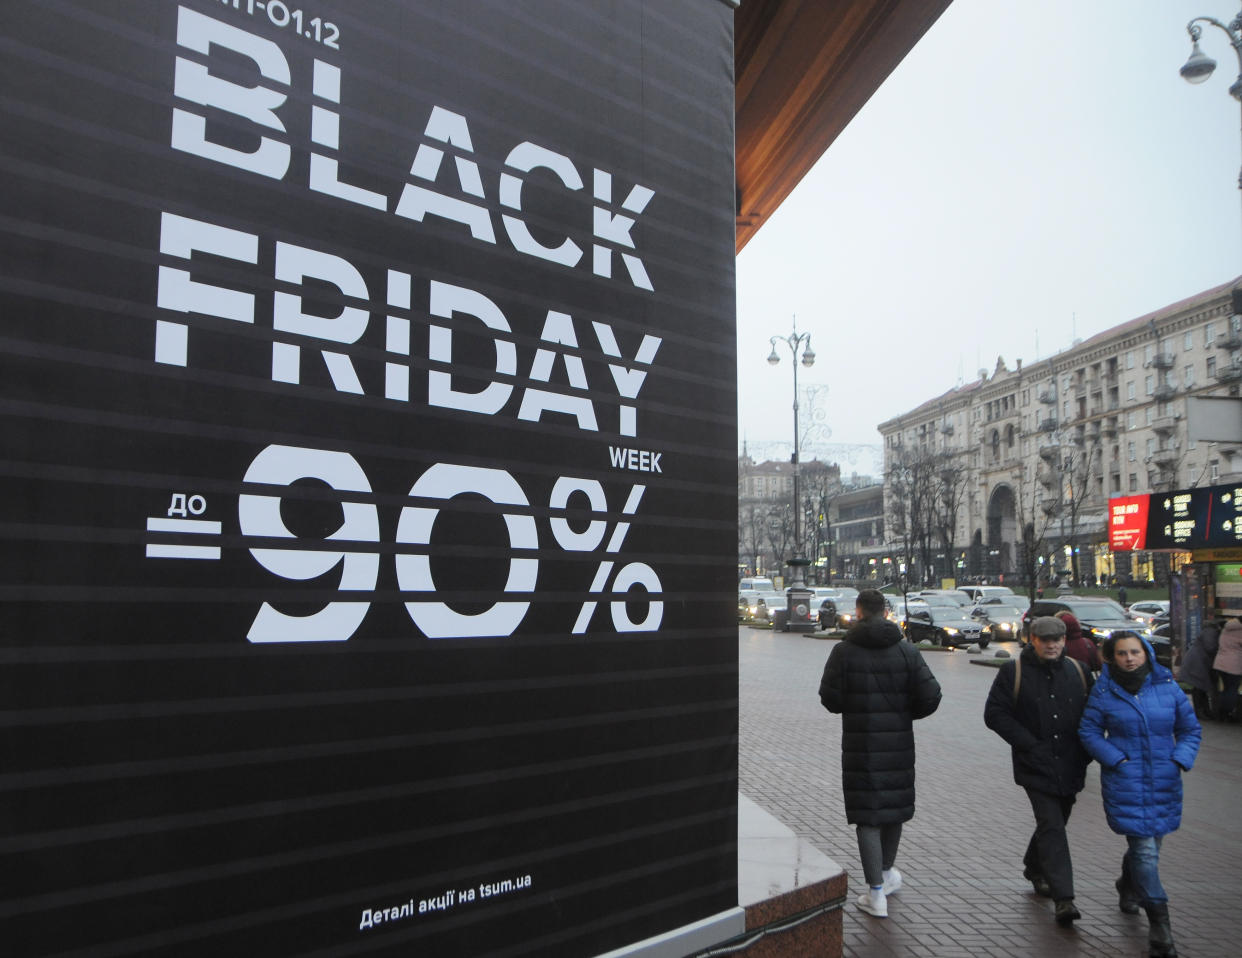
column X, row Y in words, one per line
column 1164, row 392
column 1109, row 429
column 1165, row 457
column 1050, row 424
column 1047, row 478
column 1229, row 372
column 1049, row 452
column 1051, row 507
column 1048, row 396
column 1231, row 340
column 946, row 429
column 1165, row 425
column 1160, row 361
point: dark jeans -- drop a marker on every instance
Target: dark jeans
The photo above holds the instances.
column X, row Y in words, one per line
column 1048, row 853
column 1228, row 694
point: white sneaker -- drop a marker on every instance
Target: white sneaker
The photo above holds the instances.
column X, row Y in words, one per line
column 873, row 902
column 892, row 881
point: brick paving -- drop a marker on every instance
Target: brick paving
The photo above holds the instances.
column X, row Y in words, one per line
column 962, row 853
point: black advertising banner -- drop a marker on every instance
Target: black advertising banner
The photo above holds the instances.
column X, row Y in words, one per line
column 368, row 491
column 1208, row 517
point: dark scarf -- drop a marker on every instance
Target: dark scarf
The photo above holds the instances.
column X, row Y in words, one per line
column 1132, row 681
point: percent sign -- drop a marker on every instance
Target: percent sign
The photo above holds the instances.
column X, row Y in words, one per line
column 633, row 573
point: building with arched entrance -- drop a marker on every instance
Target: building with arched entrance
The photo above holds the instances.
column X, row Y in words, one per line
column 1008, row 477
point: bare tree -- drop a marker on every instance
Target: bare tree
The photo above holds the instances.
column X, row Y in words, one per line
column 778, row 523
column 1035, row 510
column 951, row 479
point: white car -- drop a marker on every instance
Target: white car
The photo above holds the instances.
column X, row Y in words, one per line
column 1148, row 609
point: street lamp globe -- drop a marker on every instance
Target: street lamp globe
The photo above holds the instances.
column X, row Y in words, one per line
column 773, row 359
column 1198, row 67
column 808, row 355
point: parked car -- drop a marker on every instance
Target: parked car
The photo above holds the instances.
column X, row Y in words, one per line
column 942, row 621
column 756, row 583
column 1148, row 609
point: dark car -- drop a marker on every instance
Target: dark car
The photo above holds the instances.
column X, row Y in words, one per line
column 943, row 622
column 1001, row 619
column 836, row 607
column 1099, row 617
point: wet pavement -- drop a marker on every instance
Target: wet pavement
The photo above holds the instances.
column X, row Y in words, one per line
column 961, row 855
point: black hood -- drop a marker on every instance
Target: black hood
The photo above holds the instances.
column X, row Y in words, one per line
column 874, row 633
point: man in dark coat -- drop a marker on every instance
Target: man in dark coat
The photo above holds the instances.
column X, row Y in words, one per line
column 879, row 684
column 1035, row 704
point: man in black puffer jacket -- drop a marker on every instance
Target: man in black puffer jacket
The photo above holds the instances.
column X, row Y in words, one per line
column 879, row 684
column 1035, row 705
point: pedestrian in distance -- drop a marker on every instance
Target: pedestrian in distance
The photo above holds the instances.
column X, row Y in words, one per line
column 1140, row 726
column 1121, row 594
column 879, row 684
column 1077, row 645
column 1228, row 667
column 1197, row 670
column 1035, row 703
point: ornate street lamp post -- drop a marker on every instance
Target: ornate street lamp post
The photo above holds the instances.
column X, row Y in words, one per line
column 796, row 342
column 1200, row 66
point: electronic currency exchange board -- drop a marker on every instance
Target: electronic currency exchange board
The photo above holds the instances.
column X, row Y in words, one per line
column 368, row 491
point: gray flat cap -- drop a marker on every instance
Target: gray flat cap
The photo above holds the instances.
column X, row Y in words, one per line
column 1047, row 627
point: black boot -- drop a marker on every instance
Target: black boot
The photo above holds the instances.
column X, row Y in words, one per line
column 1160, row 936
column 1127, row 898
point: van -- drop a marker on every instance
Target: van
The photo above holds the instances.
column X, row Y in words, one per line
column 756, row 584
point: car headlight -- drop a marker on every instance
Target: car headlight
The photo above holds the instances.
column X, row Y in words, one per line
column 950, row 631
column 1103, row 633
column 1006, row 626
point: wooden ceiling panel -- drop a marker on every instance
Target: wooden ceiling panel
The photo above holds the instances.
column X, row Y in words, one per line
column 804, row 68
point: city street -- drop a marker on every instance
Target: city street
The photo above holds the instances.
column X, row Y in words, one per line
column 964, row 893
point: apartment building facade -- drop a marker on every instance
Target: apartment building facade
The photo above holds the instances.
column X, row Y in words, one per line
column 1027, row 458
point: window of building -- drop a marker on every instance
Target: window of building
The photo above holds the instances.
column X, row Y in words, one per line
column 1214, row 469
column 1151, row 447
column 1209, row 334
column 1133, row 482
column 1116, row 482
column 1129, row 360
column 1130, row 391
column 1130, row 420
column 1147, row 351
column 1189, row 377
column 1147, row 415
column 1149, row 385
column 1130, row 451
column 1211, row 366
column 1189, row 340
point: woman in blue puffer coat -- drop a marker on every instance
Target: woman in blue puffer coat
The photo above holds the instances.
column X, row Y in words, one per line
column 1140, row 726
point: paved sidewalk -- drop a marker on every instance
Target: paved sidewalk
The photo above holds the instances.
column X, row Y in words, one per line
column 961, row 854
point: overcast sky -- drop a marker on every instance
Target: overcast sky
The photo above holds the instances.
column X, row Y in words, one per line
column 1031, row 173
